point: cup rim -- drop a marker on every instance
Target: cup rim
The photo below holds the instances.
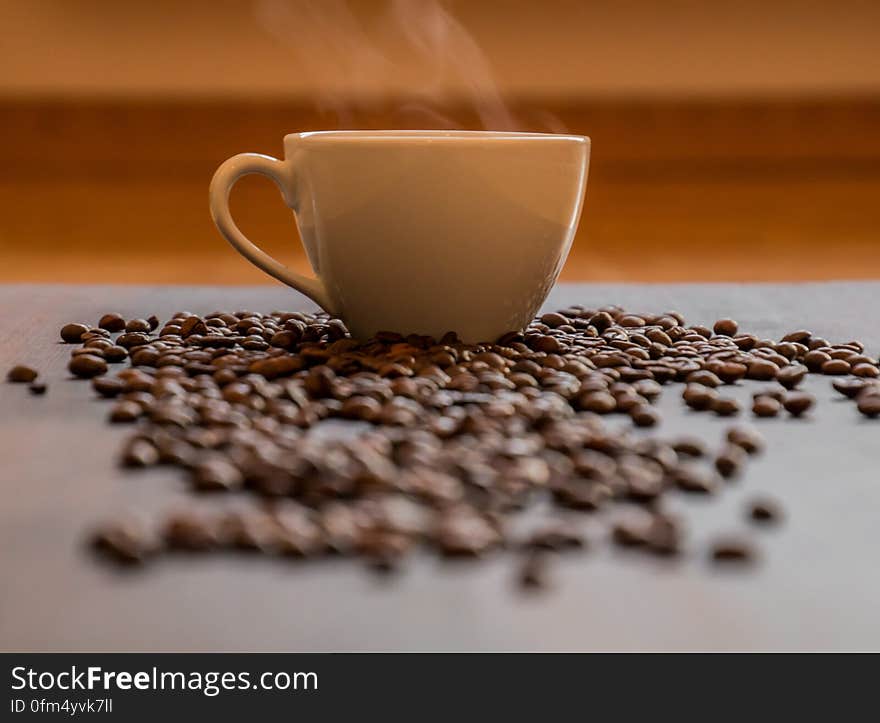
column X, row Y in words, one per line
column 435, row 135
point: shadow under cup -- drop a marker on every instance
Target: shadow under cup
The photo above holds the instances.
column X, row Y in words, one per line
column 434, row 231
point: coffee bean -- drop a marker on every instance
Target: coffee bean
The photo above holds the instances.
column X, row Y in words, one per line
column 725, row 406
column 866, row 370
column 747, row 438
column 633, row 530
column 762, row 370
column 689, row 447
column 698, row 397
column 597, row 402
column 21, row 374
column 704, row 377
column 791, row 376
column 731, row 372
column 533, row 574
column 112, row 322
column 691, row 478
column 644, row 415
column 557, row 537
column 797, row 403
column 730, row 461
column 125, row 411
column 139, row 453
column 726, row 327
column 647, row 388
column 764, row 509
column 87, row 366
column 850, row 388
column 814, row 359
column 125, row 541
column 130, row 340
column 190, row 532
column 869, row 404
column 554, row 319
column 835, row 366
column 216, row 474
column 72, row 333
column 37, row 388
column 153, row 322
column 732, row 549
column 765, row 406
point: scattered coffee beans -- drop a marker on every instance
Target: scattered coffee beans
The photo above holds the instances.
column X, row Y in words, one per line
column 444, row 442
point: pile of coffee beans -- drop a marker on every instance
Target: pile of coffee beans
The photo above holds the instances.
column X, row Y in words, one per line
column 376, row 448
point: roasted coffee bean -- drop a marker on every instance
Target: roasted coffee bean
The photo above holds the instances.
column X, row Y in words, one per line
column 137, row 325
column 597, row 402
column 125, row 411
column 647, row 388
column 790, row 376
column 112, row 322
column 815, row 358
column 698, row 397
column 747, row 438
column 557, row 537
column 731, row 372
column 726, row 327
column 126, row 541
column 140, row 453
column 644, row 415
column 108, row 386
column 797, row 403
column 153, row 322
column 764, row 509
column 190, row 532
column 765, row 406
column 115, row 354
column 704, row 377
column 725, row 406
column 689, row 447
column 691, row 478
column 554, row 319
column 87, row 366
column 633, row 530
column 533, row 572
column 836, row 366
column 130, row 340
column 869, row 404
column 850, row 388
column 866, row 370
column 72, row 333
column 21, row 374
column 37, row 388
column 732, row 549
column 730, row 460
column 762, row 370
column 216, row 474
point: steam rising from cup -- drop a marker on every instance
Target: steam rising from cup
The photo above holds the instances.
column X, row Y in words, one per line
column 413, row 58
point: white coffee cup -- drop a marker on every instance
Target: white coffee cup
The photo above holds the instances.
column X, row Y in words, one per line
column 422, row 231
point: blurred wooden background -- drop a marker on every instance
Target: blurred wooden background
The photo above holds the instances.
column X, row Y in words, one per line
column 731, row 141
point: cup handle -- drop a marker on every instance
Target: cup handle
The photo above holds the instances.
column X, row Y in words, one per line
column 282, row 174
